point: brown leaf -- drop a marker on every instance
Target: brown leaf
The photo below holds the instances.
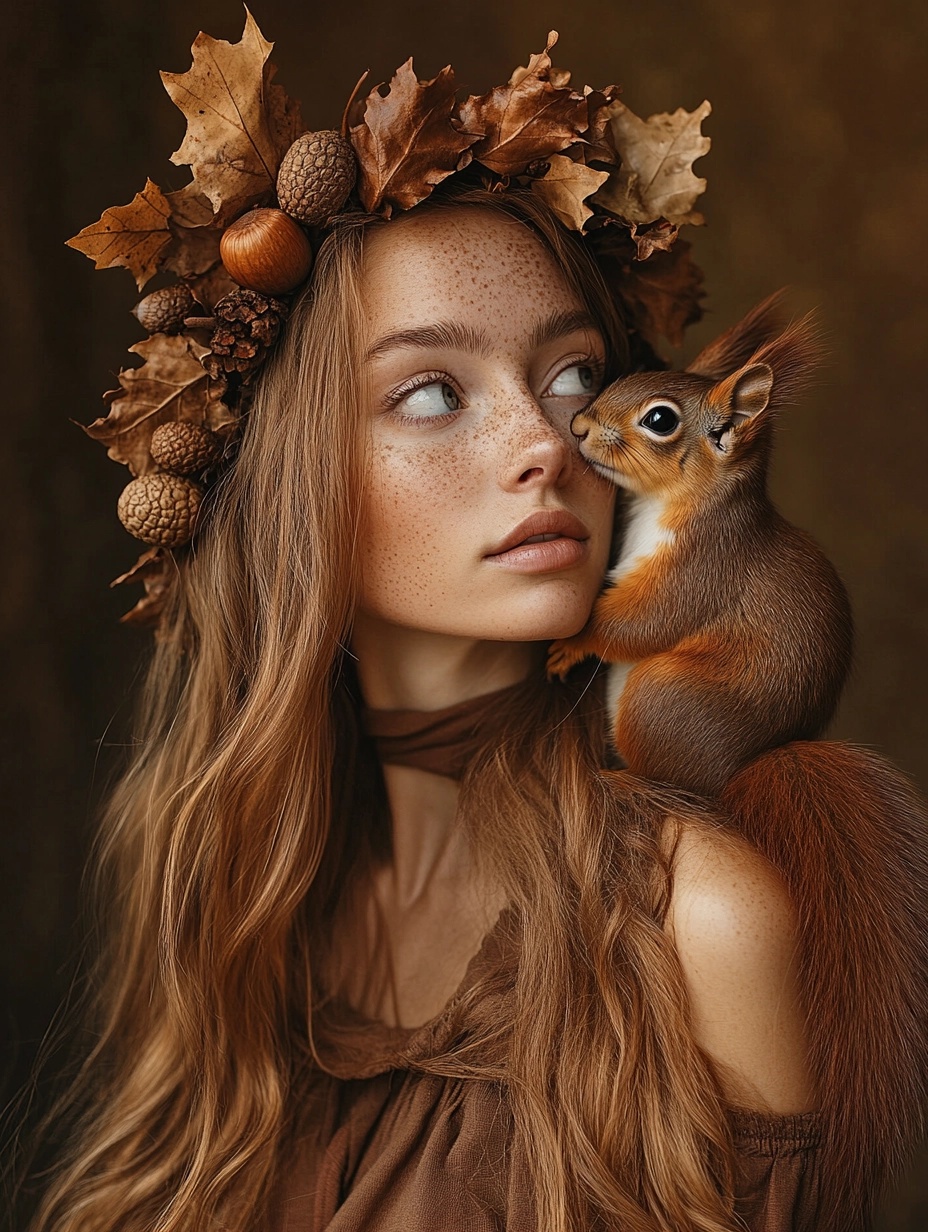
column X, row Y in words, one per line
column 662, row 295
column 211, row 286
column 170, row 385
column 408, row 140
column 195, row 233
column 656, row 177
column 134, row 235
column 156, row 570
column 565, row 187
column 599, row 146
column 534, row 116
column 658, row 238
column 239, row 125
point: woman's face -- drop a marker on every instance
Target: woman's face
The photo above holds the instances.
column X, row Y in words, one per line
column 482, row 519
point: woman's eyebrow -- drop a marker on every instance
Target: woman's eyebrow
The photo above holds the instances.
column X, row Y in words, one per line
column 453, row 335
column 559, row 324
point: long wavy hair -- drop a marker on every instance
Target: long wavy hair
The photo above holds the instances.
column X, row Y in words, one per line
column 232, row 830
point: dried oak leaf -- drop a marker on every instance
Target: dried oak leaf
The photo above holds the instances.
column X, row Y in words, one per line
column 156, row 570
column 662, row 295
column 659, row 238
column 408, row 140
column 656, row 177
column 239, row 125
column 599, row 147
column 170, row 385
column 565, row 187
column 535, row 115
column 136, row 235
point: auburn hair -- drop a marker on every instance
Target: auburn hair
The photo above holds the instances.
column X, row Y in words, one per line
column 226, row 841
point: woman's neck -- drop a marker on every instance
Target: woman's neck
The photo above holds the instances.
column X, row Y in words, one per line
column 430, row 906
column 409, row 669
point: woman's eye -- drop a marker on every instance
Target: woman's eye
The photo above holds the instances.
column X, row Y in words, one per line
column 574, row 382
column 436, row 398
column 661, row 420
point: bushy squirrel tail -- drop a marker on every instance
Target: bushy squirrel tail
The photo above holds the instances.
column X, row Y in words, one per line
column 849, row 833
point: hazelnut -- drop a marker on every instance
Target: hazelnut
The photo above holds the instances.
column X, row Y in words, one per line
column 265, row 250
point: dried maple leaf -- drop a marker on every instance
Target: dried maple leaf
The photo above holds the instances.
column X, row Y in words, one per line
column 134, row 235
column 408, row 140
column 534, row 116
column 195, row 234
column 157, row 571
column 170, row 385
column 239, row 125
column 565, row 187
column 656, row 177
column 209, row 287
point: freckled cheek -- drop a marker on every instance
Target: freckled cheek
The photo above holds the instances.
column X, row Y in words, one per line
column 420, row 512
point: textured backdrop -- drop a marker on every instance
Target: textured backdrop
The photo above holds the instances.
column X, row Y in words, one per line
column 818, row 179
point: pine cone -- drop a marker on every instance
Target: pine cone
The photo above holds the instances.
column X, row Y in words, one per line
column 184, row 448
column 160, row 509
column 247, row 325
column 163, row 311
column 316, row 176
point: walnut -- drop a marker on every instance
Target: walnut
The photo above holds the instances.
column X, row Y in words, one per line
column 163, row 311
column 315, row 177
column 160, row 509
column 185, row 448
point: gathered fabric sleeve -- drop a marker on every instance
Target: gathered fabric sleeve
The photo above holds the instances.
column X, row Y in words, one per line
column 778, row 1178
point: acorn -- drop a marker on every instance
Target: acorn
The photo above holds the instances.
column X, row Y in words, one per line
column 316, row 175
column 160, row 509
column 184, row 448
column 265, row 250
column 163, row 311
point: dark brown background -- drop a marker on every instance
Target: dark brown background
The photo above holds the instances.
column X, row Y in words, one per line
column 818, row 179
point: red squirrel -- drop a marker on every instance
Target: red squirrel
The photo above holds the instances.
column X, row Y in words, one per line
column 728, row 630
column 730, row 636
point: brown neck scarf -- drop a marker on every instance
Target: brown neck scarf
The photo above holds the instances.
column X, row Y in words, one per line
column 440, row 741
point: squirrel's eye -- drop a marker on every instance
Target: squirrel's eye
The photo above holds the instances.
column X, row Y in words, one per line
column 661, row 420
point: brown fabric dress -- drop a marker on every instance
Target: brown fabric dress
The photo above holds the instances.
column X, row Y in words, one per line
column 390, row 1149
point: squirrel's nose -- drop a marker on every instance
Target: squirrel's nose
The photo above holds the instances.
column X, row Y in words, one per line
column 580, row 425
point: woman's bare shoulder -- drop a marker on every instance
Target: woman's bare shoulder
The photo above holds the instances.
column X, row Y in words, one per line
column 734, row 926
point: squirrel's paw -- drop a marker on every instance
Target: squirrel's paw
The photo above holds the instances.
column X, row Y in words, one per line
column 563, row 654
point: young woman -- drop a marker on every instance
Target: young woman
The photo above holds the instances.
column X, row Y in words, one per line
column 391, row 947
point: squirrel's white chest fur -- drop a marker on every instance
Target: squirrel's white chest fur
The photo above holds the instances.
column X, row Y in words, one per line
column 644, row 534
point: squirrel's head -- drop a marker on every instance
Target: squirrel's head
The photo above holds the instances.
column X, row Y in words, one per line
column 689, row 433
column 660, row 431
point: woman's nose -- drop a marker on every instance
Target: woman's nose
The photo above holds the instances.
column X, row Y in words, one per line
column 534, row 449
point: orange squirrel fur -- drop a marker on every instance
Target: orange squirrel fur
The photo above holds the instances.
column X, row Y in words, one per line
column 729, row 635
column 729, row 630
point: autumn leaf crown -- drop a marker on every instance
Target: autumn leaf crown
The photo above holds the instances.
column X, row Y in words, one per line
column 239, row 239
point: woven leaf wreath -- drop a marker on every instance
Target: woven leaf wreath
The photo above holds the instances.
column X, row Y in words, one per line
column 239, row 238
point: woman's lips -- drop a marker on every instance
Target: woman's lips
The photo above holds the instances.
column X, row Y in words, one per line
column 546, row 540
column 545, row 557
